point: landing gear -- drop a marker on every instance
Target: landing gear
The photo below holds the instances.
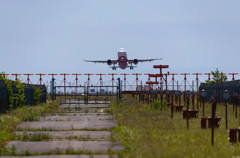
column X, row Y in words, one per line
column 114, row 67
column 131, row 67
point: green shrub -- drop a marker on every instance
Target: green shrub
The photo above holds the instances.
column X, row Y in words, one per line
column 19, row 96
column 37, row 95
column 157, row 104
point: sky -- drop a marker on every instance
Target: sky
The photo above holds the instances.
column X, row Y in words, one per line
column 43, row 36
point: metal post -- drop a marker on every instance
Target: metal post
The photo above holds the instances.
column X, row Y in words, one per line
column 172, row 106
column 64, row 80
column 197, row 79
column 236, row 106
column 87, row 93
column 52, row 88
column 136, row 79
column 187, row 112
column 161, row 98
column 88, row 80
column 233, row 101
column 213, row 100
column 28, row 79
column 185, row 82
column 113, row 80
column 161, row 83
column 209, row 74
column 16, row 76
column 177, row 86
column 40, row 77
column 203, row 106
column 141, row 93
column 125, row 80
column 119, row 84
column 213, row 118
column 233, row 74
column 226, row 115
column 76, row 80
column 101, row 82
column 193, row 96
column 173, row 80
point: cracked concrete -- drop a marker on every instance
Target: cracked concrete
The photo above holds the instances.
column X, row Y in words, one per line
column 78, row 128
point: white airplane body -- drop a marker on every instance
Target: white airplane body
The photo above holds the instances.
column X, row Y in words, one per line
column 122, row 61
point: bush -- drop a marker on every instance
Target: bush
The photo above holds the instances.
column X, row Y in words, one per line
column 157, row 104
column 20, row 96
column 37, row 95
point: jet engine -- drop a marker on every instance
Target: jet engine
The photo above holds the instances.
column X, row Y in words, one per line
column 109, row 62
column 135, row 61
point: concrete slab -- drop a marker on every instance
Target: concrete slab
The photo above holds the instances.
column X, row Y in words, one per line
column 83, row 106
column 68, row 125
column 96, row 135
column 63, row 156
column 76, row 101
column 99, row 102
column 63, row 101
column 69, row 130
column 76, row 118
column 62, row 146
column 83, row 110
column 76, row 114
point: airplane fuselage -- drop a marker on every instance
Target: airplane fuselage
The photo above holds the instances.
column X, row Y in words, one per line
column 122, row 59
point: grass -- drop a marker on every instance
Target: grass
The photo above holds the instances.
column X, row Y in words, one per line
column 145, row 131
column 10, row 120
column 57, row 151
column 46, row 137
column 34, row 137
column 50, row 129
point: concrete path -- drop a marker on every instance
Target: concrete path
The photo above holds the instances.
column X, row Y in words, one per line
column 77, row 117
column 83, row 106
column 63, row 156
column 72, row 130
column 62, row 135
column 83, row 110
column 68, row 125
column 63, row 146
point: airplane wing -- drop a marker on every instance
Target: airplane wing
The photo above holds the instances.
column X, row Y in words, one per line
column 143, row 60
column 101, row 61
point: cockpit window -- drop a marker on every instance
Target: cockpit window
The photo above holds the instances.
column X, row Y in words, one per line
column 120, row 54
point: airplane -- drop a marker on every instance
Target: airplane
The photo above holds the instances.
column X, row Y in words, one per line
column 122, row 61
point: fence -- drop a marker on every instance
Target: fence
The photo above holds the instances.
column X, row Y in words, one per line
column 131, row 82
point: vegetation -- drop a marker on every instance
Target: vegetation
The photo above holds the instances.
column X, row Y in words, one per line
column 19, row 96
column 149, row 132
column 144, row 130
column 37, row 95
column 217, row 77
column 10, row 120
